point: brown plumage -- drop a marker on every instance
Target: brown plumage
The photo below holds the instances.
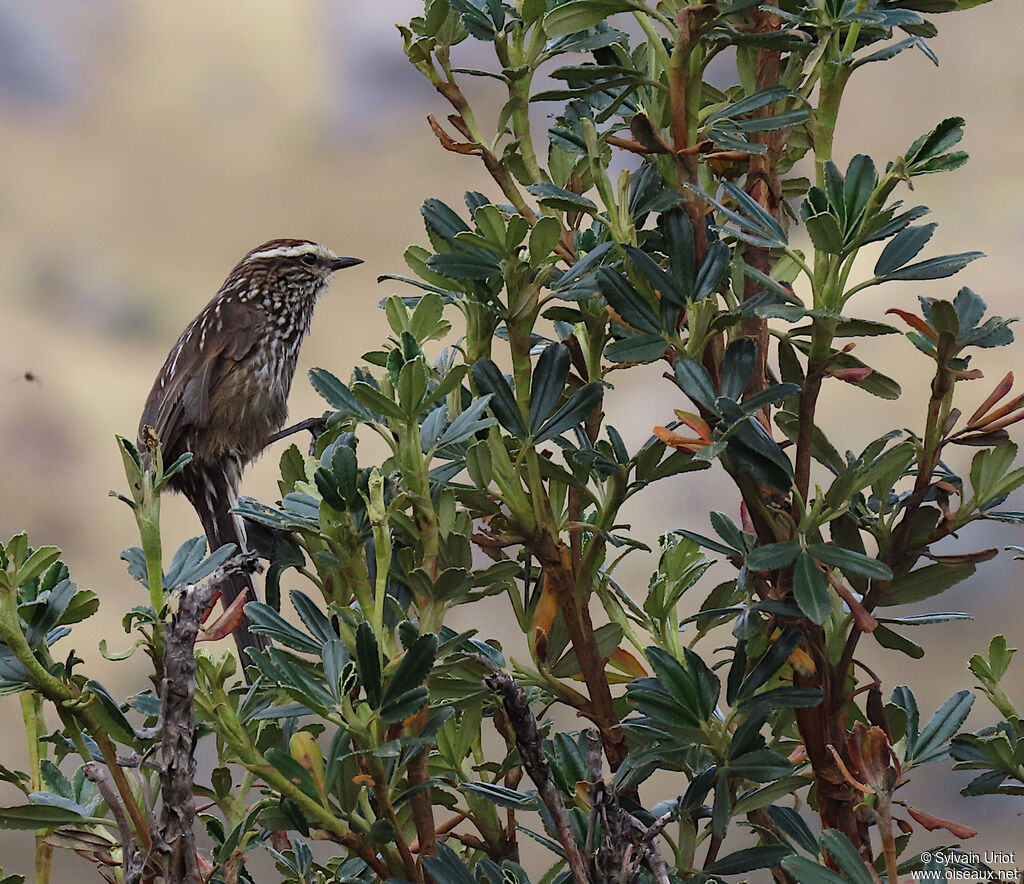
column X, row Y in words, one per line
column 223, row 388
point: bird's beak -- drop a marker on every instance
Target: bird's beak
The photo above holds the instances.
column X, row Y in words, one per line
column 342, row 263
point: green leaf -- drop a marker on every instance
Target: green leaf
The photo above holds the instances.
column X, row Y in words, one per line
column 770, row 663
column 549, row 378
column 466, row 424
column 771, row 556
column 489, row 379
column 712, row 271
column 501, row 795
column 627, row 302
column 749, row 859
column 117, row 726
column 447, row 868
column 636, row 348
column 338, row 396
column 412, row 386
column 413, row 669
column 755, row 799
column 806, row 871
column 544, row 236
column 761, row 765
column 902, row 248
column 850, row 561
column 780, row 698
column 606, row 639
column 559, row 198
column 931, row 145
column 447, row 384
column 695, row 382
column 933, row 741
column 694, row 688
column 810, row 589
column 478, row 264
column 579, row 15
column 936, row 268
column 377, row 402
column 35, row 564
column 38, row 816
column 368, row 663
column 267, row 621
column 925, row 582
column 846, row 856
column 887, row 638
column 825, row 232
column 442, row 220
column 737, row 367
column 582, row 402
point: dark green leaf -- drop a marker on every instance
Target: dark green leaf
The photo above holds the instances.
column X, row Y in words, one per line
column 771, row 661
column 749, row 859
column 695, row 382
column 849, row 561
column 413, row 669
column 582, row 402
column 38, row 816
column 932, row 742
column 936, row 268
column 636, row 348
column 902, row 248
column 489, row 379
column 549, row 378
column 627, row 302
column 368, row 663
column 476, row 264
column 712, row 271
column 737, row 366
column 267, row 621
column 925, row 582
column 579, row 15
column 806, row 871
column 846, row 856
column 810, row 589
column 761, row 765
column 560, row 198
column 501, row 795
column 896, row 642
column 771, row 556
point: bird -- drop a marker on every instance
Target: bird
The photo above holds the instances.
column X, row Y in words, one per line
column 223, row 389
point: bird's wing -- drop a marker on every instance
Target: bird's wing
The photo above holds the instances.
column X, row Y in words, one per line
column 204, row 355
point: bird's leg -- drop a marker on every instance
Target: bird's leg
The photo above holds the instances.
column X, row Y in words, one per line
column 317, row 426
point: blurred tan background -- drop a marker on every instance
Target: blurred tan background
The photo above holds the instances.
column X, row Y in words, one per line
column 145, row 147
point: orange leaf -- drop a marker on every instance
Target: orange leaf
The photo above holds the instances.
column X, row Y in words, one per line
column 915, row 322
column 851, row 375
column 695, row 422
column 745, row 520
column 543, row 618
column 225, row 624
column 1002, row 388
column 674, row 440
column 973, row 375
column 624, row 661
column 932, row 822
column 802, row 662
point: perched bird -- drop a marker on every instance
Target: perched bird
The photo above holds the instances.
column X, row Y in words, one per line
column 223, row 388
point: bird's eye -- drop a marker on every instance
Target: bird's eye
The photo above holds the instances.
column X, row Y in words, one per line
column 309, row 259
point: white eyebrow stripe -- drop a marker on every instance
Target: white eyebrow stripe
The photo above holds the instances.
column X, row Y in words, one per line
column 292, row 251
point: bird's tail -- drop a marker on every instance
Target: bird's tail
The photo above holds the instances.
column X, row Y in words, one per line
column 212, row 489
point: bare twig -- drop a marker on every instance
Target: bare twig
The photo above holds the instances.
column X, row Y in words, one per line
column 176, row 837
column 528, row 741
column 132, row 859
